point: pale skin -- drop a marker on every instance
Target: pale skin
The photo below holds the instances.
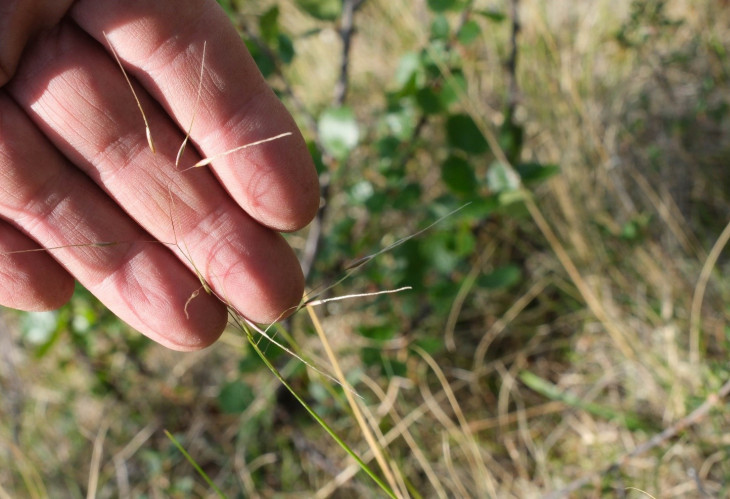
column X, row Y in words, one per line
column 80, row 185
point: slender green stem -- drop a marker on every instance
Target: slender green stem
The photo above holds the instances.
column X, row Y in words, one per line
column 194, row 464
column 317, row 418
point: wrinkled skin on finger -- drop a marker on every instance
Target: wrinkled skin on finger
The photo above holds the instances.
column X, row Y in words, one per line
column 76, row 169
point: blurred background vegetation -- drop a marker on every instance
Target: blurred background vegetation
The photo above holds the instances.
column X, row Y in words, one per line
column 567, row 331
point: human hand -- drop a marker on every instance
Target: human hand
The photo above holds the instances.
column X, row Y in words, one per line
column 78, row 179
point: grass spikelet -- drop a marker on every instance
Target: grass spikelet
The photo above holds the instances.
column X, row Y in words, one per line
column 147, row 130
column 207, row 161
column 195, row 108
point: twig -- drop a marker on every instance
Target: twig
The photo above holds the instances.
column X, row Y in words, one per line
column 693, row 418
column 347, row 29
column 314, row 237
column 512, row 61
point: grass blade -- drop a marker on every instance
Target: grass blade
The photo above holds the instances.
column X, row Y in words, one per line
column 194, row 464
column 317, row 418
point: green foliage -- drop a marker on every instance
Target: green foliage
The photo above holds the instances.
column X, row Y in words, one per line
column 458, row 174
column 464, row 134
column 445, row 5
column 417, row 155
column 502, row 178
column 325, row 10
column 648, row 20
column 338, row 131
column 469, row 32
column 502, row 277
column 235, row 397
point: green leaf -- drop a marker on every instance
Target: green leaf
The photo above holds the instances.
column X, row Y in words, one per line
column 469, row 32
column 443, row 5
column 249, row 363
column 286, row 48
column 371, row 356
column 439, row 249
column 339, row 131
column 511, row 136
column 316, row 157
column 265, row 64
column 378, row 202
column 464, row 134
column 492, row 15
column 479, row 208
column 235, row 397
column 458, row 175
column 407, row 71
column 536, row 172
column 324, row 10
column 501, row 278
column 381, row 332
column 454, row 87
column 401, row 122
column 38, row 327
column 361, row 191
column 269, row 25
column 428, row 101
column 408, row 196
column 440, row 28
column 502, row 178
column 396, row 368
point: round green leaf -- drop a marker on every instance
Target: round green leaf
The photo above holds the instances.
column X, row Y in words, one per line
column 428, row 101
column 458, row 175
column 464, row 134
column 502, row 178
column 440, row 28
column 469, row 32
column 38, row 327
column 235, row 397
column 407, row 72
column 339, row 131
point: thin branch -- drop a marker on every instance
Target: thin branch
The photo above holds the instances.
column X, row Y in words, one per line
column 512, row 60
column 347, row 29
column 314, row 237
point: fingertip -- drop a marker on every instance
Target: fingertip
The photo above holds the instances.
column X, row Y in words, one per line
column 30, row 279
column 285, row 205
column 266, row 285
column 204, row 322
column 29, row 293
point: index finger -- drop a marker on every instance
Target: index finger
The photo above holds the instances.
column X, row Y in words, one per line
column 275, row 182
